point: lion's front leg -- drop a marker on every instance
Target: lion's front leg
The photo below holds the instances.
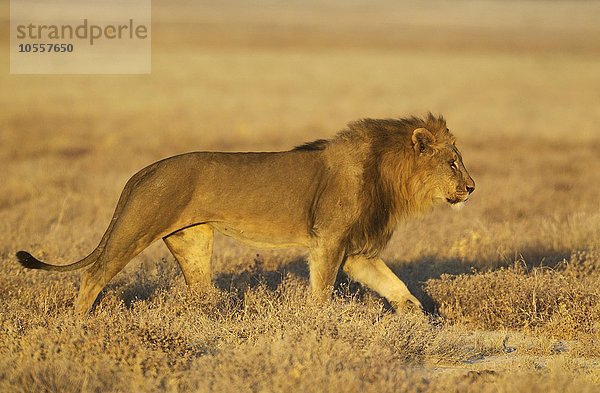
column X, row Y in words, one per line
column 324, row 263
column 375, row 274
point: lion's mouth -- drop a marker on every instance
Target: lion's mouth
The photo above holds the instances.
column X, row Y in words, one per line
column 456, row 203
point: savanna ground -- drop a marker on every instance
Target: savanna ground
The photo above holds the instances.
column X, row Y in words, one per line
column 512, row 282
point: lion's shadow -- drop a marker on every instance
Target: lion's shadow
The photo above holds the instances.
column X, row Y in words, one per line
column 258, row 276
column 415, row 274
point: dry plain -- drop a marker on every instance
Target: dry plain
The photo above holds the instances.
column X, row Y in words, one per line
column 511, row 282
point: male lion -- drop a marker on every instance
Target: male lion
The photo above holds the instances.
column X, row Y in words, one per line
column 340, row 198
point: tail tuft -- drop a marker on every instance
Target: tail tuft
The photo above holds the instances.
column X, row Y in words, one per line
column 30, row 262
column 27, row 260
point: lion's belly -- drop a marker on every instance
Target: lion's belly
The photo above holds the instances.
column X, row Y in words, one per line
column 262, row 236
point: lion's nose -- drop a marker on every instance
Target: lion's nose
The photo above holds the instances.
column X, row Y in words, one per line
column 470, row 189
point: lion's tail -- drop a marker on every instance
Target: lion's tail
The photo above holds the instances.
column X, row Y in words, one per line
column 29, row 261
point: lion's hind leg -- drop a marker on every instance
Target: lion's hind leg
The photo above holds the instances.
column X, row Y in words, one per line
column 119, row 250
column 192, row 248
column 99, row 274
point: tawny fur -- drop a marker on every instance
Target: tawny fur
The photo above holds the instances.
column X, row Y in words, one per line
column 339, row 198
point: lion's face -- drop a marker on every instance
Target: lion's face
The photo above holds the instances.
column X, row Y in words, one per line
column 447, row 178
column 453, row 183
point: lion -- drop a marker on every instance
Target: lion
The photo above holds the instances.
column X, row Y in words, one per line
column 339, row 198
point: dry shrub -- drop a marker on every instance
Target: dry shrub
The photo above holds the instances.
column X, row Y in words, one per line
column 527, row 128
column 563, row 302
column 259, row 339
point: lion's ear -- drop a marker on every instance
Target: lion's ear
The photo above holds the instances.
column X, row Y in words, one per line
column 423, row 141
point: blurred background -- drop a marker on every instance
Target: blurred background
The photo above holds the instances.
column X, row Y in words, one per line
column 518, row 82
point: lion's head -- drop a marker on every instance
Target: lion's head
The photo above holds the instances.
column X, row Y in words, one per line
column 408, row 165
column 437, row 156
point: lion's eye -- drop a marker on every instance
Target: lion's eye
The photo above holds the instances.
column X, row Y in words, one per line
column 453, row 164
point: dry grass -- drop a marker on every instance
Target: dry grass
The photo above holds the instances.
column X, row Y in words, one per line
column 563, row 303
column 512, row 280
